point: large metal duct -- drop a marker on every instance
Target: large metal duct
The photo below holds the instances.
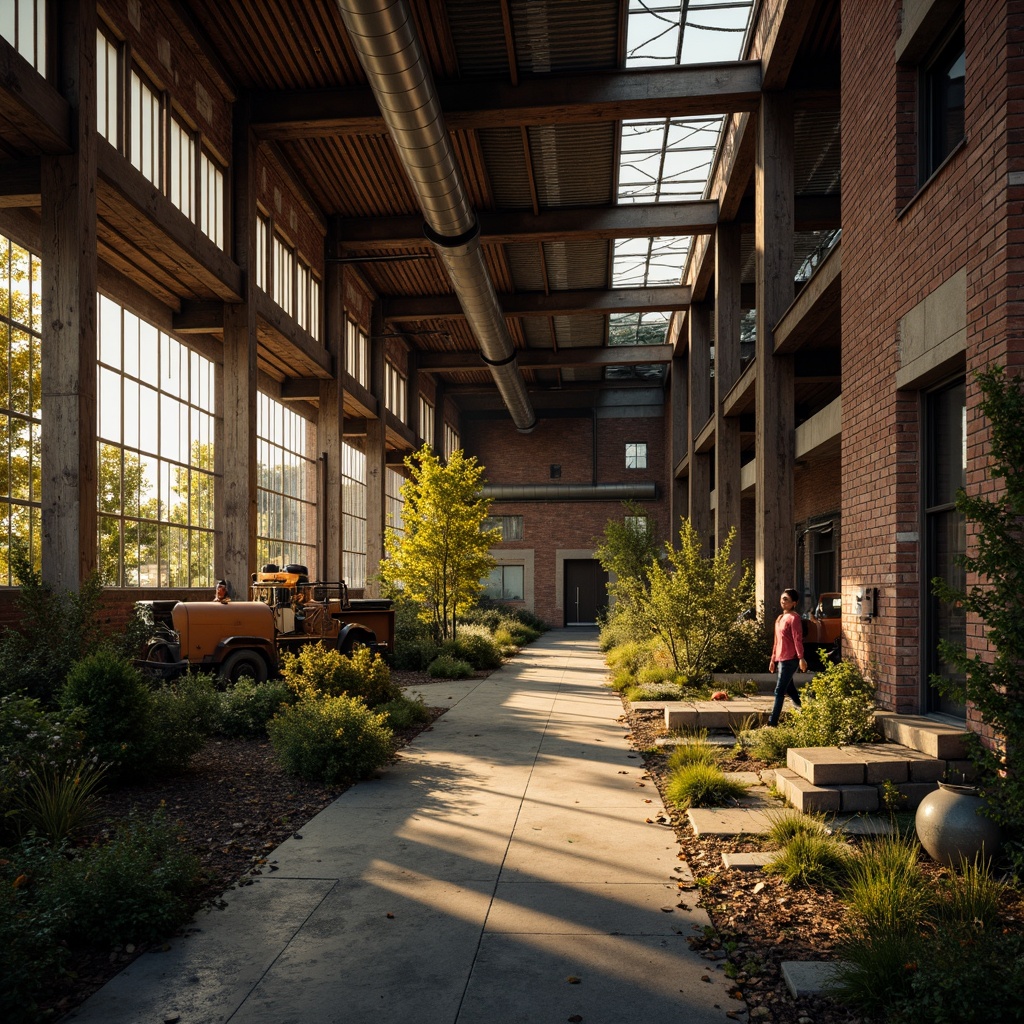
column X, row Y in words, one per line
column 384, row 37
column 569, row 492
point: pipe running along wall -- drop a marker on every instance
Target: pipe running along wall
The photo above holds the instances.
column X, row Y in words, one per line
column 569, row 492
column 385, row 40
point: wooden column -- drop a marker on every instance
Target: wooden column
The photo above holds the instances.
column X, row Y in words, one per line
column 68, row 245
column 376, row 471
column 236, row 513
column 330, row 420
column 679, row 427
column 773, row 201
column 727, row 371
column 700, row 408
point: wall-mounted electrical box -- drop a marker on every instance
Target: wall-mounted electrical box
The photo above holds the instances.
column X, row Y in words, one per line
column 864, row 602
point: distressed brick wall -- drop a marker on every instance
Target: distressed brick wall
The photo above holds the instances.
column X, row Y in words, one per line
column 899, row 245
column 569, row 442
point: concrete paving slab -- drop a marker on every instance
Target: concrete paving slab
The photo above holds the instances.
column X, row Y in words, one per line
column 826, row 766
column 586, row 844
column 753, row 861
column 729, row 821
column 208, row 973
column 354, row 962
column 524, row 979
column 864, row 825
column 604, row 908
column 807, row 977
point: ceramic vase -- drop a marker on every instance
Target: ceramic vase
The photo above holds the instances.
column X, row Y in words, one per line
column 952, row 829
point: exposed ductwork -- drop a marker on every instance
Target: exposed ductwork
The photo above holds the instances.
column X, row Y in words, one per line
column 385, row 40
column 569, row 492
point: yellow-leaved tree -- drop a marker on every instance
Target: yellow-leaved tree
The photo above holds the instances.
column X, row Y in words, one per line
column 443, row 555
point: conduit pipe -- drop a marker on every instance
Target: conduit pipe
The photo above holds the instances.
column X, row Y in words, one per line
column 385, row 40
column 569, row 492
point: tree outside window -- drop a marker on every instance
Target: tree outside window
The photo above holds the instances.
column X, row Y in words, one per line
column 636, row 455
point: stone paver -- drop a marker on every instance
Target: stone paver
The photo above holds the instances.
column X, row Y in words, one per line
column 753, row 861
column 510, row 848
column 730, row 821
column 808, row 977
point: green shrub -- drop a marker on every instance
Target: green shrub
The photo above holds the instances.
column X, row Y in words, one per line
column 788, row 824
column 838, row 708
column 702, row 785
column 57, row 628
column 447, row 667
column 658, row 674
column 969, row 898
column 115, row 703
column 332, row 740
column 415, row 648
column 404, row 713
column 507, row 641
column 622, row 680
column 32, row 953
column 182, row 714
column 475, row 645
column 876, row 970
column 694, row 749
column 743, row 648
column 246, row 707
column 630, row 656
column 59, row 800
column 134, row 888
column 811, row 858
column 318, row 669
column 770, row 743
column 654, row 691
column 886, row 890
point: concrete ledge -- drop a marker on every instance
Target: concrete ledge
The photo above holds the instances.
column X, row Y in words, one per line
column 858, row 798
column 915, row 792
column 804, row 796
column 931, row 737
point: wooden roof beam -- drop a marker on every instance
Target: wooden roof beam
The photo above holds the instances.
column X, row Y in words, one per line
column 699, row 90
column 546, row 359
column 648, row 220
column 567, row 303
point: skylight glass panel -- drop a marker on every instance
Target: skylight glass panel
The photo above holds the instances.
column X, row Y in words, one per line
column 712, row 31
column 638, row 328
column 666, row 160
column 639, row 262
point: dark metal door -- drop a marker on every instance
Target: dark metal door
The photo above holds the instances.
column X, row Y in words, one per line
column 586, row 591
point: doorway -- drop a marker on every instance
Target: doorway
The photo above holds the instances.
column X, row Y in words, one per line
column 586, row 591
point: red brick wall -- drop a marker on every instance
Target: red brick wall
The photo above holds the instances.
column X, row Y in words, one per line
column 549, row 526
column 894, row 255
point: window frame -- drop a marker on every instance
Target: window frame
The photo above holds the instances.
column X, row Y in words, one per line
column 933, row 77
column 636, row 455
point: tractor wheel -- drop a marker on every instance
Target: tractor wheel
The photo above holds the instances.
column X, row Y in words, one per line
column 355, row 639
column 240, row 664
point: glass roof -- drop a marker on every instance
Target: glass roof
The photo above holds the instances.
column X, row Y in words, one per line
column 668, row 159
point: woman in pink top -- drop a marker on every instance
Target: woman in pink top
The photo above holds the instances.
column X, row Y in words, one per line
column 787, row 653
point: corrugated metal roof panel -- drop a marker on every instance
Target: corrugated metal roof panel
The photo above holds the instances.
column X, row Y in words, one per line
column 573, row 164
column 572, row 265
column 549, row 37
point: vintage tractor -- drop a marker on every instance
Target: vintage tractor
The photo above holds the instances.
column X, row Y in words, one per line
column 823, row 629
column 247, row 638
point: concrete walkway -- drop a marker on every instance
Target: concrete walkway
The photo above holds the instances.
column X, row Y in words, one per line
column 503, row 871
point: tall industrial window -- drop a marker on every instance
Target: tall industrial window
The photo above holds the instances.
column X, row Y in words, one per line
column 394, row 391
column 357, row 353
column 426, row 421
column 942, row 101
column 314, row 307
column 262, row 248
column 353, row 516
column 181, row 184
column 156, row 482
column 23, row 24
column 211, row 207
column 451, row 440
column 283, row 268
column 145, row 131
column 393, row 483
column 286, row 486
column 945, row 530
column 20, row 422
column 636, row 455
column 511, row 526
column 307, row 299
column 107, row 79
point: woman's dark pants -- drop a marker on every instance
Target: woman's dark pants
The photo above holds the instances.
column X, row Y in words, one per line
column 785, row 687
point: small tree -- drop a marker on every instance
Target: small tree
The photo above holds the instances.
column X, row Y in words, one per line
column 694, row 601
column 993, row 681
column 443, row 554
column 627, row 550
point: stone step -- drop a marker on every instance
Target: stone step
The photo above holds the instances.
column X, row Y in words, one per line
column 836, row 798
column 863, row 764
column 931, row 737
column 717, row 714
column 765, row 680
